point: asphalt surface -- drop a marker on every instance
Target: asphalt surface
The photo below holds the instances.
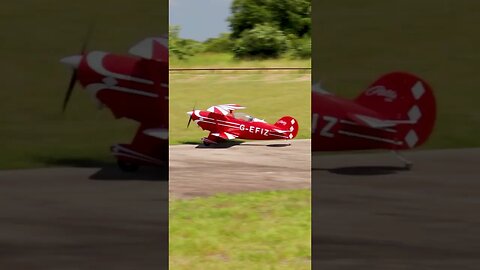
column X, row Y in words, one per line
column 83, row 218
column 229, row 168
column 370, row 213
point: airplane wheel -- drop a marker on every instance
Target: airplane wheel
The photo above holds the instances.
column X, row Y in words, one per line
column 127, row 166
column 205, row 143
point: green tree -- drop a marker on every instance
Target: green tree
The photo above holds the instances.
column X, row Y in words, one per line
column 222, row 43
column 182, row 48
column 300, row 47
column 263, row 41
column 289, row 16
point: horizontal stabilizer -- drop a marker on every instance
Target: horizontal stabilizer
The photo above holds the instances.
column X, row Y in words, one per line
column 379, row 123
column 281, row 131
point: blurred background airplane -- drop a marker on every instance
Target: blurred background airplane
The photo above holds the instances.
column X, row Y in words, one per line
column 396, row 112
column 133, row 87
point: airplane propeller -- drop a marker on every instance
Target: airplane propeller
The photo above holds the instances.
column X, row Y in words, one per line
column 71, row 85
column 191, row 115
column 74, row 62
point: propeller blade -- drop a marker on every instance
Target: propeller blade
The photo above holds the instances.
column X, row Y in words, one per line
column 74, row 61
column 86, row 41
column 71, row 85
column 191, row 115
column 189, row 120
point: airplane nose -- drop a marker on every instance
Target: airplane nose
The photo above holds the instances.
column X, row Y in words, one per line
column 190, row 113
column 72, row 61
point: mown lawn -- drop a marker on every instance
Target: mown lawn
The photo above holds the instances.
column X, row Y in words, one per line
column 260, row 230
column 267, row 95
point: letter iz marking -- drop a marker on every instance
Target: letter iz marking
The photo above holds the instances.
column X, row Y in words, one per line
column 331, row 121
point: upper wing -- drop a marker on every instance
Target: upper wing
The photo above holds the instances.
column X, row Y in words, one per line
column 225, row 108
column 154, row 48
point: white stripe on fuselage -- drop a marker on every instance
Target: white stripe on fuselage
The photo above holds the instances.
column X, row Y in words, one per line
column 95, row 87
column 95, row 61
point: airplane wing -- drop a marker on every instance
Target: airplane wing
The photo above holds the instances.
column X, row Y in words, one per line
column 317, row 87
column 154, row 48
column 160, row 133
column 224, row 135
column 225, row 108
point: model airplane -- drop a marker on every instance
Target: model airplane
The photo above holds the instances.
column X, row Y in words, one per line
column 133, row 87
column 224, row 125
column 396, row 112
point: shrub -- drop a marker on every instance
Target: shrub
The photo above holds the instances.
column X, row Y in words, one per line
column 263, row 41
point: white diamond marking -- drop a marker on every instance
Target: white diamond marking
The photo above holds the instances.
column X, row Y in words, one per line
column 411, row 138
column 414, row 114
column 418, row 90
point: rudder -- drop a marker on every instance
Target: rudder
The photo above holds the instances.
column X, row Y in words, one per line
column 288, row 123
column 406, row 99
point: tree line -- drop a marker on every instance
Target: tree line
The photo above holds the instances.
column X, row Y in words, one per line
column 259, row 29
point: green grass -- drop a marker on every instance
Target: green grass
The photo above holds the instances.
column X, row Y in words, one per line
column 35, row 36
column 268, row 96
column 262, row 230
column 227, row 60
column 357, row 41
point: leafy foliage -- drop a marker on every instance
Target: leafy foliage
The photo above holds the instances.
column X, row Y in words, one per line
column 223, row 43
column 260, row 27
column 182, row 48
column 289, row 16
column 263, row 41
column 300, row 47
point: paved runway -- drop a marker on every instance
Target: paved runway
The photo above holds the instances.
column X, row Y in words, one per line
column 371, row 214
column 82, row 218
column 250, row 166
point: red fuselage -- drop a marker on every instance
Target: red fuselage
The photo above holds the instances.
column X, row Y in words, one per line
column 241, row 129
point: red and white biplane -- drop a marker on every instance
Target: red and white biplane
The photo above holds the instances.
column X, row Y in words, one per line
column 133, row 87
column 224, row 125
column 396, row 112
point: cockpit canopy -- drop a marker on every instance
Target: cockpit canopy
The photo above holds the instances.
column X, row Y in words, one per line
column 247, row 118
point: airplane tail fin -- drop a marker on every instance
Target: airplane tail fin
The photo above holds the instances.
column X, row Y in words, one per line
column 288, row 123
column 407, row 102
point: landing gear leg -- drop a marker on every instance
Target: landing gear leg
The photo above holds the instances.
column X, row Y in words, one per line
column 407, row 163
column 127, row 166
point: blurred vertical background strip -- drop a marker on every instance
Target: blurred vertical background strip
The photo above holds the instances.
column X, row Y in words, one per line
column 368, row 212
column 64, row 204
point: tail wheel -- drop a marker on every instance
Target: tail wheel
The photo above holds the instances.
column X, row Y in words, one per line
column 127, row 166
